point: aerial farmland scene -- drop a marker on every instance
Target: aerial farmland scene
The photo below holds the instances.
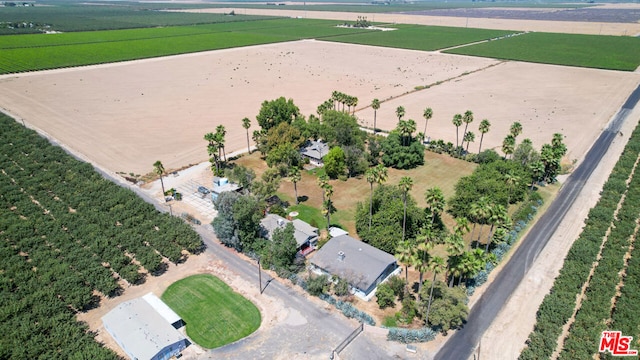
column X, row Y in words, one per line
column 343, row 179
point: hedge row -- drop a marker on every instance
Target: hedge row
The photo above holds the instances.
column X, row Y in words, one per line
column 557, row 307
column 584, row 335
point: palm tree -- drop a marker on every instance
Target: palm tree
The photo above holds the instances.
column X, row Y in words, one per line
column 381, row 174
column 537, row 172
column 371, row 177
column 246, row 124
column 422, row 258
column 512, row 181
column 471, row 263
column 213, row 150
column 508, row 145
column 427, row 114
column 483, row 211
column 455, row 246
column 498, row 216
column 354, row 103
column 435, row 202
column 323, row 182
column 328, row 192
column 295, row 176
column 485, row 125
column 375, row 105
column 221, row 132
column 457, row 121
column 158, row 168
column 469, row 137
column 406, row 183
column 467, row 118
column 516, row 129
column 436, row 265
column 400, row 112
column 406, row 128
column 404, row 255
column 462, row 226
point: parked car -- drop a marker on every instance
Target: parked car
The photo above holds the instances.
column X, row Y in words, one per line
column 203, row 190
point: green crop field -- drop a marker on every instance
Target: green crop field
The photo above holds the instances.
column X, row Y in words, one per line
column 591, row 51
column 416, row 37
column 215, row 315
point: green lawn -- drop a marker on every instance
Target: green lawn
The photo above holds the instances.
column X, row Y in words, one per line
column 418, row 37
column 215, row 315
column 591, row 51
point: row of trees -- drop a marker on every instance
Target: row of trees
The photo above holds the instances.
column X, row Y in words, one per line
column 611, row 301
column 67, row 235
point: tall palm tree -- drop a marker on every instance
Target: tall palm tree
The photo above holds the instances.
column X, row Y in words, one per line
column 435, row 202
column 457, row 121
column 485, row 125
column 213, row 150
column 158, row 168
column 371, row 177
column 400, row 112
column 455, row 246
column 406, row 183
column 508, row 145
column 516, row 129
column 422, row 258
column 469, row 137
column 427, row 114
column 404, row 255
column 323, row 182
column 375, row 105
column 467, row 118
column 221, row 132
column 354, row 103
column 381, row 174
column 537, row 172
column 246, row 124
column 328, row 192
column 406, row 128
column 295, row 176
column 436, row 265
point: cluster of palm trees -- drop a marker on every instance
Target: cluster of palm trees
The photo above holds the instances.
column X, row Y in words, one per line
column 378, row 175
column 215, row 148
column 509, row 142
column 338, row 98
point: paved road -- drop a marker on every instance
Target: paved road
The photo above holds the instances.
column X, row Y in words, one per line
column 463, row 342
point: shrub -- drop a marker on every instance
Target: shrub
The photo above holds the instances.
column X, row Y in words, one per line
column 397, row 284
column 385, row 296
column 407, row 336
column 317, row 285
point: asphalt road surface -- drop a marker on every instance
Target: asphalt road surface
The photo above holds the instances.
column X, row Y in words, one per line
column 461, row 345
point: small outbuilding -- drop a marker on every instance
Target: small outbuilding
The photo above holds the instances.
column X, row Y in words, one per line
column 145, row 328
column 306, row 235
column 360, row 264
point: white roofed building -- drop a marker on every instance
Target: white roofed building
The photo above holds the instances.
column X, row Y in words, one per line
column 144, row 329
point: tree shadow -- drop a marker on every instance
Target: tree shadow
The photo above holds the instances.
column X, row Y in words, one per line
column 303, row 198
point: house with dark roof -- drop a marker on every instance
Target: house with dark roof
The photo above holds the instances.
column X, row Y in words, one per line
column 361, row 265
column 315, row 150
column 306, row 235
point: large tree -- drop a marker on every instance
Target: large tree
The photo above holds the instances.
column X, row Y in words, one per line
column 339, row 128
column 401, row 155
column 387, row 219
column 334, row 163
column 277, row 111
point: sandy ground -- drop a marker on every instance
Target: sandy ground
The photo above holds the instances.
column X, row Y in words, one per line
column 125, row 116
column 571, row 27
